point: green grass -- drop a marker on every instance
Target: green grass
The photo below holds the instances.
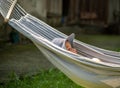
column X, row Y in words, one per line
column 52, row 78
column 109, row 42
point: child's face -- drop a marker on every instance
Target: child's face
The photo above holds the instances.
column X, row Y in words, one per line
column 69, row 47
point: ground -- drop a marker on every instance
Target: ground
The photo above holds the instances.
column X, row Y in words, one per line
column 21, row 59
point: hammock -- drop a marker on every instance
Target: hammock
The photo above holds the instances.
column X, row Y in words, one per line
column 80, row 68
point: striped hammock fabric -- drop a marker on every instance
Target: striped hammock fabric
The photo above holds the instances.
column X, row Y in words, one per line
column 81, row 67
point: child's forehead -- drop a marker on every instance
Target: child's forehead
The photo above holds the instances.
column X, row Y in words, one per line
column 67, row 43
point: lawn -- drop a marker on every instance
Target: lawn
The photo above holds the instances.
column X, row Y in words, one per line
column 51, row 78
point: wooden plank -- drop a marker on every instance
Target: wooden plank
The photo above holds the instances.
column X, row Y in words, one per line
column 10, row 11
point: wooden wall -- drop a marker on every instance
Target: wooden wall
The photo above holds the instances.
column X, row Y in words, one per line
column 89, row 10
column 54, row 7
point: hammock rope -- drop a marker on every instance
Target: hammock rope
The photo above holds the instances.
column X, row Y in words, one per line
column 17, row 12
column 78, row 67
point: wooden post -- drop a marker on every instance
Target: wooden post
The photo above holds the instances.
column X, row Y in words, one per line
column 77, row 10
column 10, row 11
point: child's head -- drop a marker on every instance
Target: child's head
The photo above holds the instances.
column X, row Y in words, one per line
column 65, row 43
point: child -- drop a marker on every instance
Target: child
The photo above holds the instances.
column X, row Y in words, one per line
column 66, row 43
